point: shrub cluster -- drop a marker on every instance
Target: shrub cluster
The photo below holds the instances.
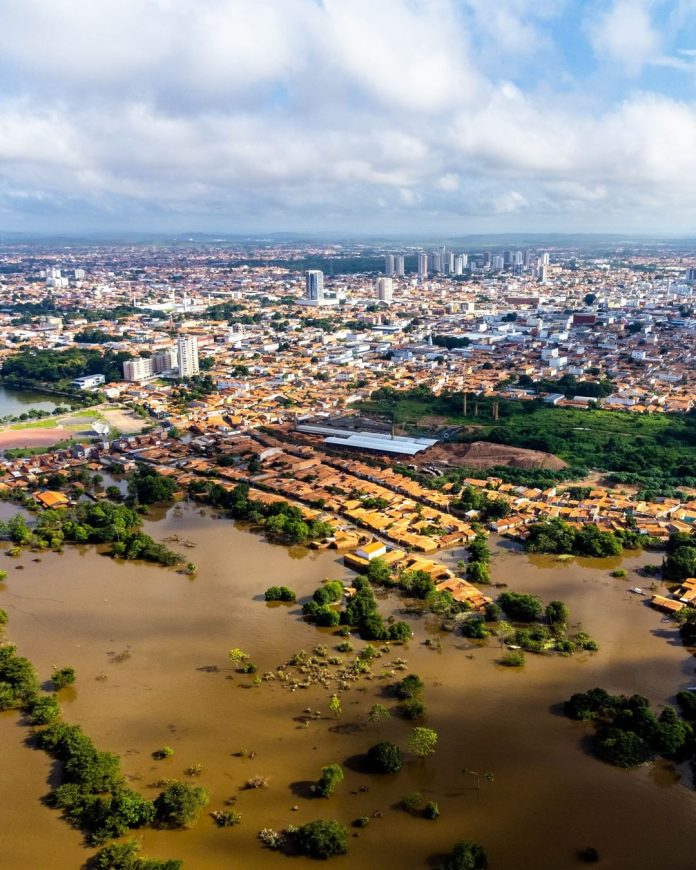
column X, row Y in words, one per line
column 410, row 693
column 330, row 777
column 279, row 593
column 478, row 567
column 361, row 612
column 537, row 636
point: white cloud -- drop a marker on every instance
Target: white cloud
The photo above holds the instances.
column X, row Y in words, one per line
column 624, row 34
column 287, row 113
column 509, row 202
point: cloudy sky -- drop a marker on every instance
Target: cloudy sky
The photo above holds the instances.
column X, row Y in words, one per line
column 387, row 116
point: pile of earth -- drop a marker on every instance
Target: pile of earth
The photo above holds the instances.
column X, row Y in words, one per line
column 484, row 454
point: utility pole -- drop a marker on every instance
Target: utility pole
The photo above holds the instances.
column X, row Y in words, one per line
column 465, row 398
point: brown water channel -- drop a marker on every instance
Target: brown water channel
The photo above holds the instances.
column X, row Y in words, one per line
column 155, row 634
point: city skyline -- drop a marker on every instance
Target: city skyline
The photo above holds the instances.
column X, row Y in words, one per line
column 230, row 116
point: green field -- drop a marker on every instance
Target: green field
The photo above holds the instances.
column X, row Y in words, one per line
column 657, row 450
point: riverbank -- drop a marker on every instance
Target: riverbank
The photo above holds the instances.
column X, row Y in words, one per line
column 150, row 650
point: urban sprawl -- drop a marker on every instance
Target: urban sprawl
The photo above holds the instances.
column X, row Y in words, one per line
column 290, row 369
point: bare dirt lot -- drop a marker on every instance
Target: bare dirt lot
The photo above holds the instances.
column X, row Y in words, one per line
column 32, row 437
column 122, row 419
column 484, row 454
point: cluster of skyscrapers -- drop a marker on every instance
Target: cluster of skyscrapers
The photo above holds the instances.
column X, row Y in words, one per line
column 439, row 262
column 444, row 262
column 394, row 265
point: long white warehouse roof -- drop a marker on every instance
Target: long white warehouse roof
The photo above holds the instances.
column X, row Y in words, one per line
column 383, row 443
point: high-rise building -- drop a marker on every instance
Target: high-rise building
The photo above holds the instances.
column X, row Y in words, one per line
column 399, row 269
column 691, row 275
column 436, row 262
column 389, row 265
column 498, row 263
column 385, row 289
column 187, row 355
column 545, row 259
column 459, row 264
column 448, row 263
column 138, row 369
column 165, row 360
column 422, row 266
column 518, row 258
column 315, row 285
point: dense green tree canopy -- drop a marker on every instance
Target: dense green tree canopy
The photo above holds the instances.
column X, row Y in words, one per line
column 557, row 536
column 384, row 757
column 148, row 486
column 629, row 733
column 466, row 855
column 322, row 838
column 520, row 607
column 179, row 805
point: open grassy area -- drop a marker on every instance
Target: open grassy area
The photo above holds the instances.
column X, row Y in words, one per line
column 72, row 420
column 50, row 423
column 656, row 450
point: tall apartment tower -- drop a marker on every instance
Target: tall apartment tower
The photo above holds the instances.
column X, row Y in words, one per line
column 399, row 269
column 385, row 289
column 422, row 266
column 459, row 264
column 315, row 285
column 389, row 265
column 138, row 369
column 187, row 355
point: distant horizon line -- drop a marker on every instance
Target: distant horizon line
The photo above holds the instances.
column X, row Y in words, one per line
column 348, row 235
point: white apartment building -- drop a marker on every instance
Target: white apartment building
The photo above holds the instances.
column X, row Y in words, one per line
column 187, row 355
column 385, row 289
column 138, row 369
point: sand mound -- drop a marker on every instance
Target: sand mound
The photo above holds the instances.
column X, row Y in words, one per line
column 484, row 454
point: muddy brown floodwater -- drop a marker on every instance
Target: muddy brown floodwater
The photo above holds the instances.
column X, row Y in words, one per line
column 158, row 636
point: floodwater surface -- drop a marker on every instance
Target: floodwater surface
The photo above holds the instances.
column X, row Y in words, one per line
column 150, row 649
column 16, row 402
